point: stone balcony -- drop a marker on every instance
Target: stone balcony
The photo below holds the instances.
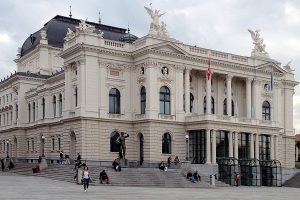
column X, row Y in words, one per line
column 229, row 119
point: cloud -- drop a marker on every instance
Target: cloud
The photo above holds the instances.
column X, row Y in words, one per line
column 4, row 38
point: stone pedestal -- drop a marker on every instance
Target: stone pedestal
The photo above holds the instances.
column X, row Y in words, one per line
column 43, row 164
column 79, row 176
column 123, row 162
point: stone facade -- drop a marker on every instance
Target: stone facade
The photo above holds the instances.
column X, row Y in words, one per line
column 60, row 99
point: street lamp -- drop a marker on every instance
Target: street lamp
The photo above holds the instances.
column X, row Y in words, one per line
column 7, row 148
column 43, row 143
column 187, row 146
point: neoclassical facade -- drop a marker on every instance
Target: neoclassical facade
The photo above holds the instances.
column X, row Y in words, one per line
column 79, row 84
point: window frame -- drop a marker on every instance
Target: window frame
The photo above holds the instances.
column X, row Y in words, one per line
column 165, row 100
column 114, row 101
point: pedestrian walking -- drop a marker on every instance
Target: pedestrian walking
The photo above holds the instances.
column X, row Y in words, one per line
column 85, row 178
column 61, row 157
column 237, row 177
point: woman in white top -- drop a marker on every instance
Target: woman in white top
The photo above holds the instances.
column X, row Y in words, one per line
column 85, row 178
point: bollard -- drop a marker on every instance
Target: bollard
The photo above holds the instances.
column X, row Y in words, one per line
column 79, row 176
column 212, row 180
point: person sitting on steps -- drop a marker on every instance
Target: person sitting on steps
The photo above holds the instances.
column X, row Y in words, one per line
column 116, row 165
column 169, row 161
column 176, row 160
column 190, row 177
column 103, row 176
column 196, row 176
column 162, row 166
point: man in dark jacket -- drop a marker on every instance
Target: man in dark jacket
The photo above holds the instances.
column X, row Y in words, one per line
column 103, row 176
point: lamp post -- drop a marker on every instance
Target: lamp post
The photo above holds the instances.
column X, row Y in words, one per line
column 43, row 147
column 187, row 147
column 7, row 148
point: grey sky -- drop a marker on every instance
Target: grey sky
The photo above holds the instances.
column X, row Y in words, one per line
column 220, row 24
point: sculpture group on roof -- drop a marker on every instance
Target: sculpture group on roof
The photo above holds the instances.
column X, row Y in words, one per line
column 157, row 28
column 259, row 46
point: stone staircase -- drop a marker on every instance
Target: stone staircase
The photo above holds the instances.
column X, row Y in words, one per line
column 137, row 177
column 293, row 182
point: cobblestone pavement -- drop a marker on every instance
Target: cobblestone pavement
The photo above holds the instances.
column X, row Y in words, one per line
column 23, row 187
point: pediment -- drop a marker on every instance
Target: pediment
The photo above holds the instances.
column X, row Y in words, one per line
column 269, row 67
column 169, row 48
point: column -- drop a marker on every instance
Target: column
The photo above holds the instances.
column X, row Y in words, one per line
column 228, row 82
column 248, row 97
column 208, row 155
column 187, row 90
column 272, row 147
column 152, row 102
column 251, row 145
column 230, row 144
column 208, row 95
column 257, row 147
column 213, row 147
column 179, row 89
column 81, row 83
column 276, row 148
column 236, row 145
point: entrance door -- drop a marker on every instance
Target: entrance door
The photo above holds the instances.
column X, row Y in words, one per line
column 141, row 139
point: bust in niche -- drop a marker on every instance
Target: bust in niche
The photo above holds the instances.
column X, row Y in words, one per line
column 267, row 87
column 164, row 70
column 142, row 71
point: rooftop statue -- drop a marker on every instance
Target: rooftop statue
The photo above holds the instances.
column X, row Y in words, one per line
column 70, row 34
column 287, row 67
column 259, row 46
column 84, row 27
column 156, row 28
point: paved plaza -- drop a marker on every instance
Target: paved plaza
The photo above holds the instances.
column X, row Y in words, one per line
column 23, row 187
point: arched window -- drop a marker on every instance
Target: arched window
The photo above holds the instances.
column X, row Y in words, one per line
column 191, row 102
column 165, row 100
column 54, row 106
column 166, row 143
column 114, row 146
column 212, row 105
column 43, row 107
column 60, row 104
column 114, row 101
column 143, row 100
column 266, row 111
column 76, row 97
column 29, row 112
column 33, row 111
column 225, row 107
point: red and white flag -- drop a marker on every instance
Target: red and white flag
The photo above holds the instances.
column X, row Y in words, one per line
column 208, row 70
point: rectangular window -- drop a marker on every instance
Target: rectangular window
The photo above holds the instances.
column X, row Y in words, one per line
column 28, row 145
column 53, row 144
column 244, row 145
column 11, row 115
column 7, row 98
column 7, row 118
column 222, row 144
column 3, row 119
column 3, row 145
column 10, row 96
column 197, row 146
column 32, row 143
column 0, row 120
column 58, row 143
column 264, row 147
